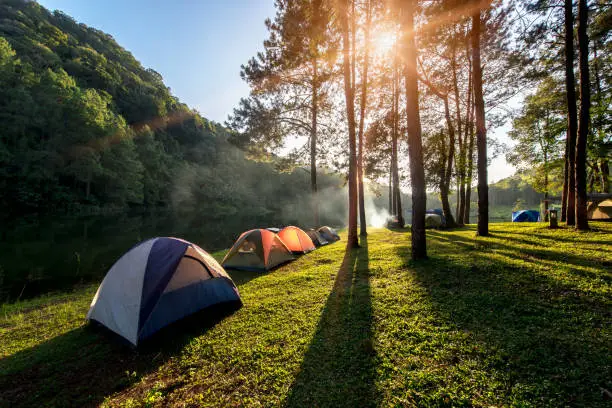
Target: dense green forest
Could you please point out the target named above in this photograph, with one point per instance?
(86, 127)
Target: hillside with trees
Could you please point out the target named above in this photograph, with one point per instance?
(85, 127)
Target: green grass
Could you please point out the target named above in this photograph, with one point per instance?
(521, 318)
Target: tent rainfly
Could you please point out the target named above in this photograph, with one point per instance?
(156, 283)
(257, 250)
(296, 240)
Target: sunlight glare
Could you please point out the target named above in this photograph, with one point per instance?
(383, 42)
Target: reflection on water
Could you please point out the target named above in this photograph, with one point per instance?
(42, 255)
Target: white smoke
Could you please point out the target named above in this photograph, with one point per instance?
(375, 216)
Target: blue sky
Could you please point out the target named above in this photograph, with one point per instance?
(196, 45)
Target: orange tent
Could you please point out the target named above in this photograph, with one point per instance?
(296, 240)
(257, 250)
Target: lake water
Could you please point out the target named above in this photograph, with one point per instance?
(43, 255)
(55, 253)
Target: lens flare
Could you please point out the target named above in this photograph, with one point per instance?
(383, 42)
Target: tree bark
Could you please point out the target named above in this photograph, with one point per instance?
(450, 221)
(352, 240)
(415, 147)
(582, 222)
(470, 170)
(572, 116)
(460, 162)
(565, 181)
(353, 31)
(397, 200)
(481, 131)
(313, 143)
(545, 186)
(393, 146)
(469, 133)
(362, 109)
(391, 210)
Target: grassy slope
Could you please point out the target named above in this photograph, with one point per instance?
(518, 319)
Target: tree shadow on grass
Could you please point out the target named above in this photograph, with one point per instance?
(83, 366)
(544, 339)
(553, 238)
(241, 277)
(338, 367)
(537, 249)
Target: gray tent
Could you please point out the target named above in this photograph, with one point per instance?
(329, 234)
(316, 238)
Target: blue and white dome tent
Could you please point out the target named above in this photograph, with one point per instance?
(526, 216)
(158, 282)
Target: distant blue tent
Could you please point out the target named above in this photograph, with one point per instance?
(526, 216)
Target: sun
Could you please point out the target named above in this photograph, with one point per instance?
(383, 42)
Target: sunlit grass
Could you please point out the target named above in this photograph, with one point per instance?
(521, 318)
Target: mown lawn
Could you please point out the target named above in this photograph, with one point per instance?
(522, 318)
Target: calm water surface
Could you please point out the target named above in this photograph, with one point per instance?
(50, 254)
(38, 256)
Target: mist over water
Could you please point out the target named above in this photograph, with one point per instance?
(211, 207)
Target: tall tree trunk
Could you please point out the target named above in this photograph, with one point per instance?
(446, 171)
(460, 161)
(603, 164)
(398, 207)
(391, 188)
(469, 133)
(362, 110)
(442, 186)
(481, 131)
(582, 222)
(313, 143)
(397, 200)
(572, 116)
(352, 240)
(393, 146)
(546, 186)
(450, 221)
(470, 170)
(393, 178)
(458, 192)
(565, 180)
(353, 30)
(415, 147)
